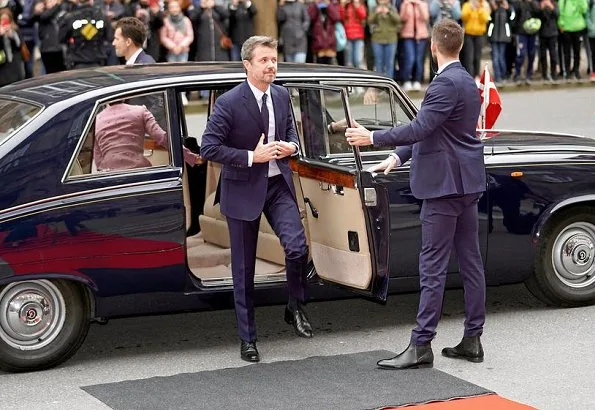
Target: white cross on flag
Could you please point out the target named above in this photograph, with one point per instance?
(491, 105)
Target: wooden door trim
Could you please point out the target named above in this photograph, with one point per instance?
(330, 176)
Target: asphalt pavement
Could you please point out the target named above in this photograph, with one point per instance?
(535, 354)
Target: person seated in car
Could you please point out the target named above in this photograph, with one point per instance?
(120, 130)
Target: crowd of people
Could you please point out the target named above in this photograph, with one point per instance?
(389, 36)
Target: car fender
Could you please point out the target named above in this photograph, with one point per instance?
(554, 209)
(89, 286)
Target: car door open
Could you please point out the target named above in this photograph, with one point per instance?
(347, 212)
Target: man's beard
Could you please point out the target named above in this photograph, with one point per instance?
(434, 63)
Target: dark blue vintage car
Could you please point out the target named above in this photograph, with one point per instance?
(83, 242)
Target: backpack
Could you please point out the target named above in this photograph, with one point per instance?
(532, 25)
(341, 36)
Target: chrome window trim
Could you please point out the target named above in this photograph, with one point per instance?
(6, 212)
(66, 178)
(126, 172)
(380, 82)
(533, 132)
(396, 93)
(31, 120)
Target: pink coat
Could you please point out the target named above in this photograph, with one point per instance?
(415, 18)
(120, 137)
(171, 38)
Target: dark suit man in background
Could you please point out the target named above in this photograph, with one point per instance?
(251, 133)
(129, 37)
(447, 173)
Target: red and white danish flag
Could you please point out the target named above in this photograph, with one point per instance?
(491, 105)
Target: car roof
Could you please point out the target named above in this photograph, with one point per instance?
(52, 88)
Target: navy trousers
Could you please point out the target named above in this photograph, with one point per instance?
(448, 223)
(282, 213)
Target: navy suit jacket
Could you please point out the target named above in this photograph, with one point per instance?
(446, 155)
(144, 58)
(233, 129)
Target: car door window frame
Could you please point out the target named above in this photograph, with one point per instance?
(164, 92)
(397, 99)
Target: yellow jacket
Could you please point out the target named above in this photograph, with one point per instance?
(475, 16)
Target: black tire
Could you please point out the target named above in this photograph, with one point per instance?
(564, 268)
(55, 338)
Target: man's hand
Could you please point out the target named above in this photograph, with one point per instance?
(389, 163)
(38, 8)
(285, 149)
(338, 126)
(371, 96)
(273, 150)
(358, 136)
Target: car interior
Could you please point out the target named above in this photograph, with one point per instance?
(329, 201)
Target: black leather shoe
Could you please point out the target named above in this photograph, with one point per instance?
(414, 357)
(469, 349)
(300, 322)
(249, 352)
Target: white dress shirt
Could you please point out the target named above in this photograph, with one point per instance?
(273, 167)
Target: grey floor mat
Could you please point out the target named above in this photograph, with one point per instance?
(349, 381)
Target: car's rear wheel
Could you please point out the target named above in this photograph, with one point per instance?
(42, 323)
(564, 273)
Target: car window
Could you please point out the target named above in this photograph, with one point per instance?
(195, 116)
(320, 118)
(126, 134)
(13, 115)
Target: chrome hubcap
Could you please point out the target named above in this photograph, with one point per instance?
(32, 314)
(573, 255)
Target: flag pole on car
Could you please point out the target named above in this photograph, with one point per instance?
(491, 104)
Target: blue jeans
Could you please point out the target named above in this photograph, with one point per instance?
(177, 58)
(525, 47)
(236, 53)
(413, 54)
(354, 53)
(295, 57)
(499, 60)
(384, 58)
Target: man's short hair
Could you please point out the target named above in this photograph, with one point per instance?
(134, 29)
(250, 45)
(448, 36)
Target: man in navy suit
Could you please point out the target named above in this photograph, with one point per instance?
(129, 37)
(448, 174)
(251, 133)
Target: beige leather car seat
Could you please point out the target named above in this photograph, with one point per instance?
(214, 230)
(214, 226)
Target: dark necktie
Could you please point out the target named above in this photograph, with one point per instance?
(264, 113)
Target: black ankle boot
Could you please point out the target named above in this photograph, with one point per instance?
(414, 357)
(469, 349)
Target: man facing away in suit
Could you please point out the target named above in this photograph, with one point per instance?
(129, 37)
(251, 133)
(448, 174)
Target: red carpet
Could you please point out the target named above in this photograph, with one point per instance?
(485, 402)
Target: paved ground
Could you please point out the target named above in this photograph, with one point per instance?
(534, 354)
